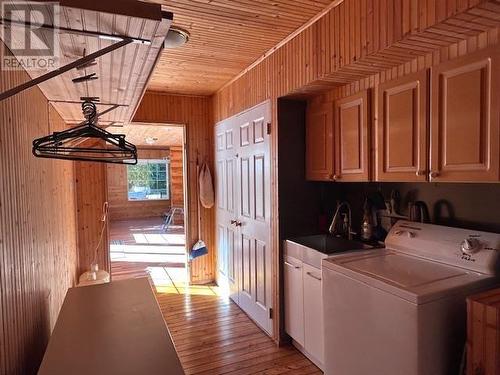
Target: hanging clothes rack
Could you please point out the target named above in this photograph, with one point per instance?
(86, 142)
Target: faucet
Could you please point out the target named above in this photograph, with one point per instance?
(347, 220)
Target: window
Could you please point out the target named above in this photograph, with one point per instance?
(148, 180)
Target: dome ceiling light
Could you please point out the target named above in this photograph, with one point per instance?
(176, 37)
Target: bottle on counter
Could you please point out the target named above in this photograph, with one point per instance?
(366, 224)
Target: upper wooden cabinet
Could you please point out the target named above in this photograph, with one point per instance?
(352, 138)
(319, 143)
(401, 129)
(464, 118)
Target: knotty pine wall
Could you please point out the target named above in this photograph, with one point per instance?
(38, 235)
(358, 39)
(176, 177)
(120, 207)
(91, 194)
(356, 45)
(195, 113)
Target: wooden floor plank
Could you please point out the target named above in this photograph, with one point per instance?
(213, 336)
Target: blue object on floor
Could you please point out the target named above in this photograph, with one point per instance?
(198, 250)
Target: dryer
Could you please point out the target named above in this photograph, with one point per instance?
(401, 310)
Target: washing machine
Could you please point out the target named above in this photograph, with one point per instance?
(402, 310)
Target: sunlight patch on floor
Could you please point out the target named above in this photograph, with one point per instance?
(159, 239)
(171, 280)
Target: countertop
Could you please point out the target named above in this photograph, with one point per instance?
(114, 328)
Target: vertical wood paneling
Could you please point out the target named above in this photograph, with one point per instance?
(176, 176)
(362, 38)
(369, 44)
(120, 207)
(195, 113)
(38, 254)
(91, 193)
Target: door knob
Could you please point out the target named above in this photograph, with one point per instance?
(434, 174)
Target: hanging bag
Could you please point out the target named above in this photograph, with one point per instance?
(207, 197)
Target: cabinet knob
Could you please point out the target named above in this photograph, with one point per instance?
(434, 174)
(336, 177)
(330, 176)
(420, 173)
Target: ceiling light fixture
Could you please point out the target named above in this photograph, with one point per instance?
(176, 37)
(151, 140)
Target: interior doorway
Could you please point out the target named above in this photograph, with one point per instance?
(147, 212)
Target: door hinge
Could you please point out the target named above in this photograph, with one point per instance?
(268, 128)
(270, 313)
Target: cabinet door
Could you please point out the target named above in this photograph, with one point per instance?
(352, 138)
(294, 301)
(464, 118)
(313, 312)
(401, 129)
(319, 143)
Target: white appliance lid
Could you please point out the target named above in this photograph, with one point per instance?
(414, 279)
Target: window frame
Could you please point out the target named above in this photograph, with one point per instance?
(165, 161)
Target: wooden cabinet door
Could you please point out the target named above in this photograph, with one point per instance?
(313, 312)
(294, 299)
(319, 143)
(401, 129)
(464, 118)
(352, 138)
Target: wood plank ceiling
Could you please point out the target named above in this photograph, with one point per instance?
(123, 73)
(226, 36)
(144, 135)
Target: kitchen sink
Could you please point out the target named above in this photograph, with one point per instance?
(328, 244)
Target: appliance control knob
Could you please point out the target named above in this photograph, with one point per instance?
(470, 246)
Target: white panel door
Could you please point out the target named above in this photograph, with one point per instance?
(254, 221)
(228, 257)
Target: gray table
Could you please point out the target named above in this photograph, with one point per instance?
(114, 328)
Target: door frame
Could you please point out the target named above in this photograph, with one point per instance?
(185, 182)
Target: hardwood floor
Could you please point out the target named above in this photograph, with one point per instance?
(213, 336)
(140, 245)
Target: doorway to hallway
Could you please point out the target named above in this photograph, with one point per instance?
(146, 207)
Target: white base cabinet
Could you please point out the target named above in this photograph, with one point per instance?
(294, 299)
(304, 308)
(313, 312)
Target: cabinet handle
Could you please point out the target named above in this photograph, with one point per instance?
(233, 222)
(238, 223)
(314, 277)
(434, 174)
(291, 265)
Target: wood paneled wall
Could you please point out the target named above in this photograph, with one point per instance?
(176, 177)
(353, 46)
(195, 113)
(91, 194)
(38, 250)
(120, 207)
(356, 39)
(464, 47)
